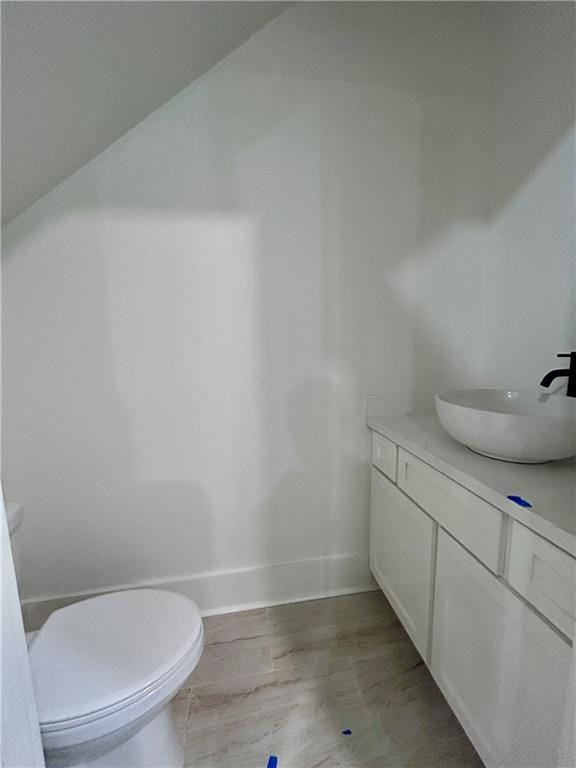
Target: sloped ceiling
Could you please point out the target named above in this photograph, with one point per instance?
(77, 75)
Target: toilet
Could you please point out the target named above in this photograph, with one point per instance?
(105, 670)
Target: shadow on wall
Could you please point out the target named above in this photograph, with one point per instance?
(94, 517)
(193, 319)
(325, 477)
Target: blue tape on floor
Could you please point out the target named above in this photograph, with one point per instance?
(519, 500)
(272, 762)
(347, 732)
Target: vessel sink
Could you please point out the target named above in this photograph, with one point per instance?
(510, 425)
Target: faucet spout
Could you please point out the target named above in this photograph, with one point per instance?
(569, 372)
(552, 375)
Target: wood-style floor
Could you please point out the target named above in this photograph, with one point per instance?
(289, 680)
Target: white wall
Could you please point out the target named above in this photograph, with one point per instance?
(193, 319)
(532, 193)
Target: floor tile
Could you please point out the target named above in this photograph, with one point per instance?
(302, 734)
(392, 674)
(294, 617)
(247, 625)
(289, 680)
(256, 694)
(227, 661)
(337, 643)
(180, 708)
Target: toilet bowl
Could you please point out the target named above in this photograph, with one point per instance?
(105, 670)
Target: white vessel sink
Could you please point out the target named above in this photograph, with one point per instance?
(521, 426)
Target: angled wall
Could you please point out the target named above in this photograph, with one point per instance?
(78, 76)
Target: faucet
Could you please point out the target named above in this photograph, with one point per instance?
(570, 372)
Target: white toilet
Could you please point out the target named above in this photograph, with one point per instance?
(105, 670)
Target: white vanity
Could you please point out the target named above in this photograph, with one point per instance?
(484, 587)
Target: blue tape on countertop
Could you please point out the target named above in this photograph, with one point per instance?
(272, 762)
(519, 500)
(347, 732)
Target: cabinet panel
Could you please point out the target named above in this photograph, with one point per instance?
(474, 522)
(508, 676)
(384, 455)
(544, 575)
(402, 541)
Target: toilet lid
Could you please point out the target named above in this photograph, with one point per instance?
(95, 654)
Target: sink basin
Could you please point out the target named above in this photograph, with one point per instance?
(520, 426)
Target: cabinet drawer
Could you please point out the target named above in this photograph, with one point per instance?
(544, 575)
(384, 455)
(471, 520)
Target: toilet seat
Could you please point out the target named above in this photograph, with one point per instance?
(105, 662)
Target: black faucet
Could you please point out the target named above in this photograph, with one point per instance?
(570, 372)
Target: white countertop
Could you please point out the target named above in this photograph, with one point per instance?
(550, 488)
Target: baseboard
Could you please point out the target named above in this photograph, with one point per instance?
(238, 589)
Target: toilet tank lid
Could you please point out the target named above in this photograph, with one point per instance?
(97, 653)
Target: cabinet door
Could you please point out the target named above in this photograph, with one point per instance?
(508, 675)
(402, 540)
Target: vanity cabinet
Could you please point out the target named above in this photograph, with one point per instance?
(504, 671)
(544, 575)
(467, 517)
(402, 543)
(488, 603)
(384, 456)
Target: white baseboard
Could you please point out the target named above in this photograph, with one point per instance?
(239, 589)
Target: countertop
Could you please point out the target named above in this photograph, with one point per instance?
(550, 488)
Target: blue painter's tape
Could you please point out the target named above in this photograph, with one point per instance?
(519, 500)
(272, 762)
(347, 732)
